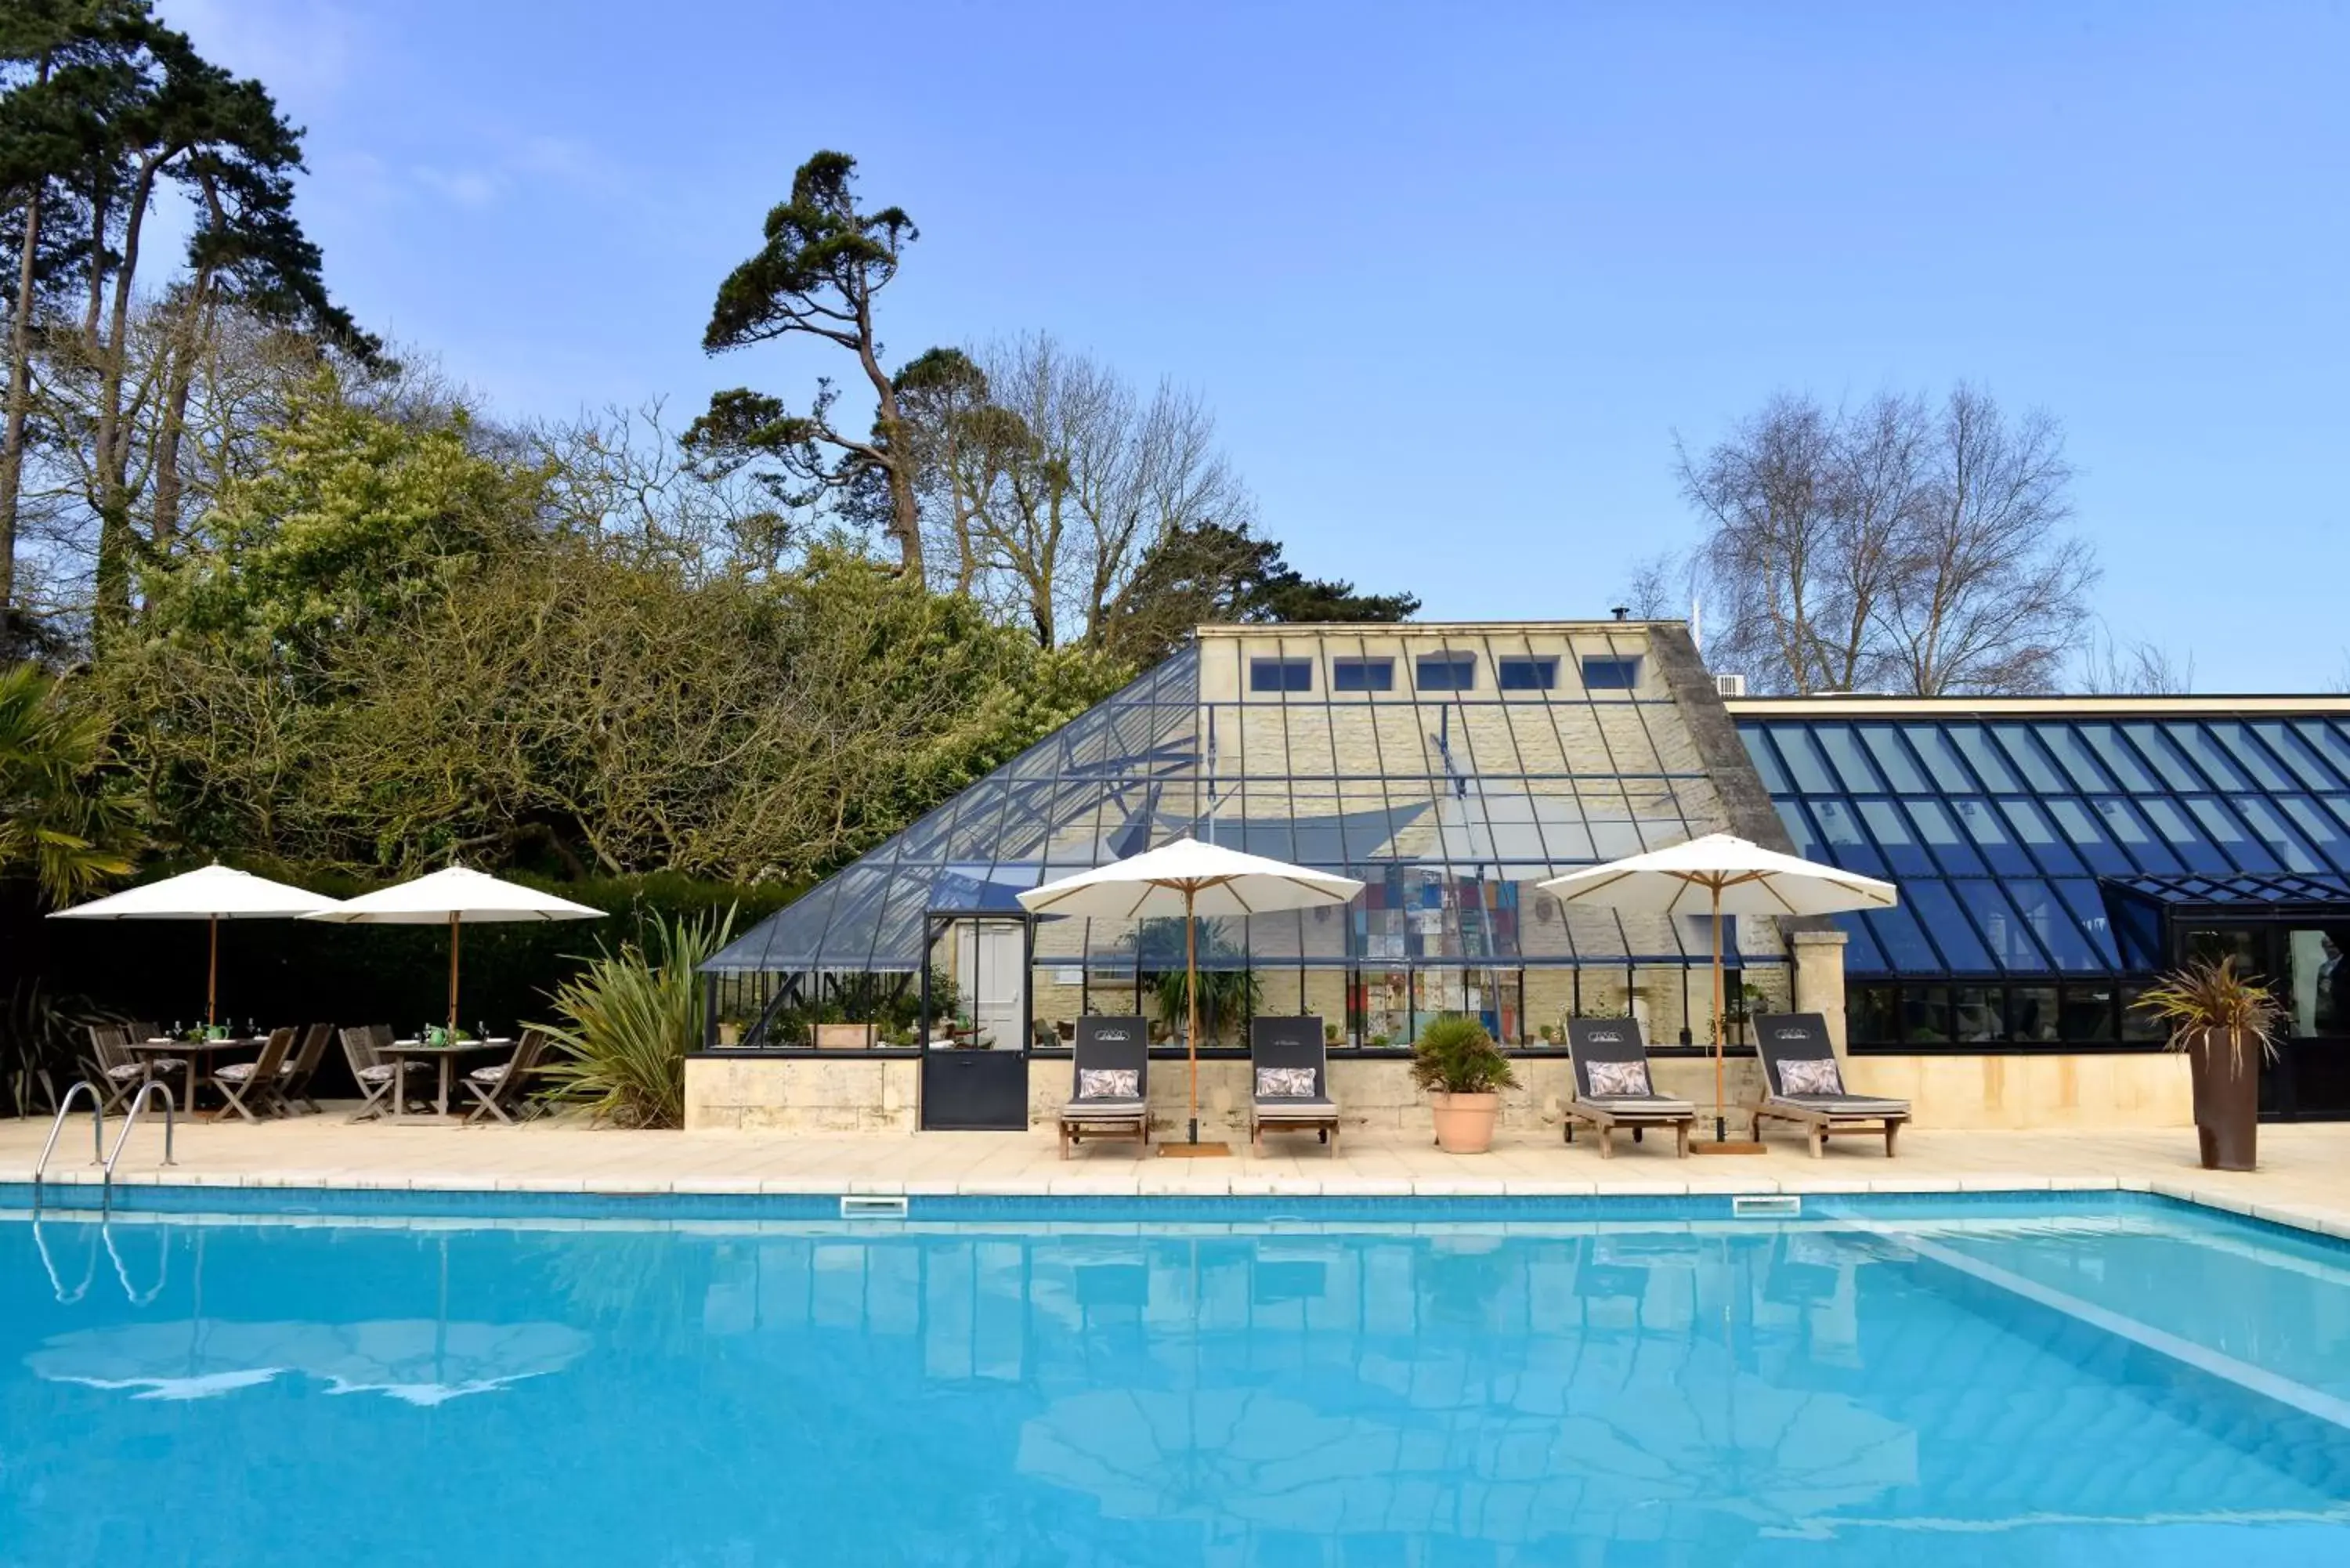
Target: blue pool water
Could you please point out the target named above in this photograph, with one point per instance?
(2117, 1382)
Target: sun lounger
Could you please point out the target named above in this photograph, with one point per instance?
(1293, 1051)
(1813, 1096)
(1603, 1051)
(1110, 1083)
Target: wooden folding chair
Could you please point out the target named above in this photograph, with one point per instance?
(114, 1072)
(255, 1084)
(294, 1078)
(500, 1089)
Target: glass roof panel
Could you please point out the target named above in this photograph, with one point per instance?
(1988, 829)
(1806, 761)
(1974, 743)
(1759, 747)
(2289, 746)
(2007, 934)
(1904, 854)
(2155, 744)
(2218, 796)
(1938, 912)
(1940, 833)
(2041, 840)
(2031, 758)
(2118, 756)
(2129, 828)
(2077, 758)
(1940, 754)
(2218, 765)
(2247, 754)
(2222, 826)
(1893, 760)
(1852, 766)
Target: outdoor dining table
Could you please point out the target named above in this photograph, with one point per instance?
(403, 1051)
(203, 1057)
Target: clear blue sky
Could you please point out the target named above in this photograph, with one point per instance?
(1452, 278)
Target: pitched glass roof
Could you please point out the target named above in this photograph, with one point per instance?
(1450, 803)
(2000, 829)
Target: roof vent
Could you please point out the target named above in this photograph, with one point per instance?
(1730, 685)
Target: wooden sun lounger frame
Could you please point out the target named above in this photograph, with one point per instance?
(1297, 1042)
(1604, 1117)
(1869, 1113)
(1109, 1043)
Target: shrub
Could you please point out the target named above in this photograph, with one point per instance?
(2205, 999)
(1454, 1055)
(631, 1016)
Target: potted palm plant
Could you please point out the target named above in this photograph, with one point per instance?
(2227, 1026)
(1464, 1074)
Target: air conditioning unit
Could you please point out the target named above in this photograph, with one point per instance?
(1731, 685)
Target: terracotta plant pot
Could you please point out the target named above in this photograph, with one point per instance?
(1464, 1123)
(2225, 1069)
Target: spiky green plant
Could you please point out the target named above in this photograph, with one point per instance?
(2204, 1000)
(1227, 996)
(1454, 1055)
(630, 1018)
(55, 822)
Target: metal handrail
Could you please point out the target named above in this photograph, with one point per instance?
(130, 1121)
(96, 1132)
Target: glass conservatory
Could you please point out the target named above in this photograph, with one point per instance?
(1448, 768)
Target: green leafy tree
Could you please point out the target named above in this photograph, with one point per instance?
(1211, 574)
(56, 822)
(817, 275)
(350, 517)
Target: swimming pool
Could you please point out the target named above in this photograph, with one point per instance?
(2108, 1380)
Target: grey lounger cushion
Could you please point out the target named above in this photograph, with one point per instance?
(1103, 1110)
(1291, 1108)
(1637, 1104)
(1844, 1104)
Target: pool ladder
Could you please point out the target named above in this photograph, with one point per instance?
(97, 1134)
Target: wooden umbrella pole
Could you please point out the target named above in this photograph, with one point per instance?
(212, 979)
(1719, 1133)
(453, 974)
(1192, 992)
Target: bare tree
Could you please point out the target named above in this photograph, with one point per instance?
(1653, 590)
(2137, 669)
(1894, 546)
(1044, 479)
(1991, 595)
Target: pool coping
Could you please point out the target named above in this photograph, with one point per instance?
(80, 1190)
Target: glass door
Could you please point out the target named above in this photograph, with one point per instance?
(975, 1022)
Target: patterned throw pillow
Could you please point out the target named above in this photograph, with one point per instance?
(1109, 1083)
(1610, 1078)
(1285, 1083)
(1817, 1075)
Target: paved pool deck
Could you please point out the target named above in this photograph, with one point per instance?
(2304, 1179)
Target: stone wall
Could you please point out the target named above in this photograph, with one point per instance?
(2014, 1092)
(800, 1094)
(2020, 1092)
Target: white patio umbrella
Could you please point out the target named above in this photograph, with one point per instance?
(1189, 878)
(1725, 875)
(459, 897)
(214, 894)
